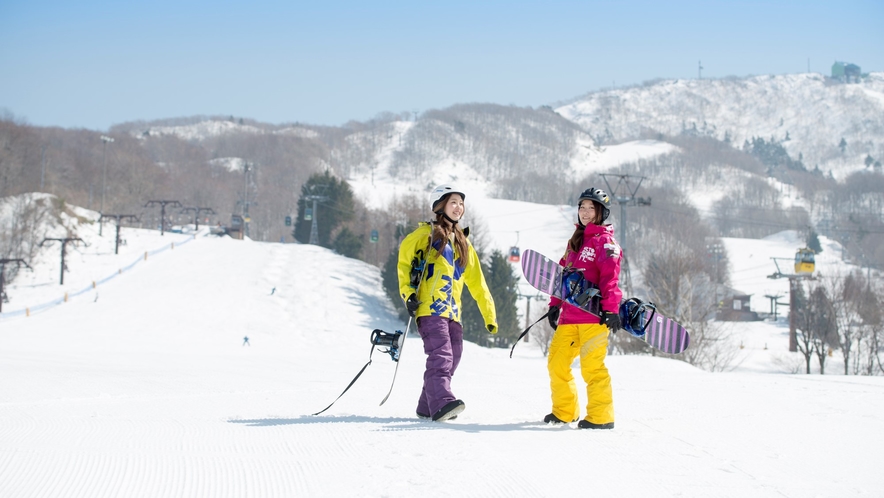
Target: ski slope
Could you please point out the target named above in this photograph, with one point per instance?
(144, 387)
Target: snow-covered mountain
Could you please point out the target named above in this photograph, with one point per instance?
(809, 113)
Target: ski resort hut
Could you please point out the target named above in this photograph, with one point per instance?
(736, 309)
(235, 229)
(846, 72)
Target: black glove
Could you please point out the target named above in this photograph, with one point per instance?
(612, 320)
(553, 316)
(411, 304)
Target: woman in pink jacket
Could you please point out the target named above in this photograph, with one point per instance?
(593, 250)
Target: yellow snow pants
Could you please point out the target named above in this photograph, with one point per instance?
(590, 341)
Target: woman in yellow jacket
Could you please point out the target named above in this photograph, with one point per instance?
(435, 304)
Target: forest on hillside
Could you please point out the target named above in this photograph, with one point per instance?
(259, 170)
(269, 174)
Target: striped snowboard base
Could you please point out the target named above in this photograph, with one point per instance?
(662, 333)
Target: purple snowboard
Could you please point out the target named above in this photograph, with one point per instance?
(666, 334)
(546, 275)
(662, 333)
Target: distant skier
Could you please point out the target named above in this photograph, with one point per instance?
(593, 250)
(245, 341)
(451, 263)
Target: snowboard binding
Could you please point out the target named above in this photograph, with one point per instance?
(633, 316)
(576, 289)
(391, 341)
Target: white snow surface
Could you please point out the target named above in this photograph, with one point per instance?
(212, 128)
(143, 387)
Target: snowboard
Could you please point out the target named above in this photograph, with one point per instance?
(547, 276)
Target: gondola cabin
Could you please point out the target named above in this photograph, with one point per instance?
(804, 261)
(514, 256)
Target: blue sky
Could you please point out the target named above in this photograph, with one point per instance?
(93, 64)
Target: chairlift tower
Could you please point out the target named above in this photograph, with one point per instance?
(104, 139)
(64, 243)
(624, 193)
(162, 204)
(774, 303)
(794, 278)
(314, 228)
(247, 168)
(118, 218)
(196, 213)
(528, 298)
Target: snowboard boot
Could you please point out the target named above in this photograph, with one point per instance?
(552, 419)
(586, 424)
(424, 416)
(449, 411)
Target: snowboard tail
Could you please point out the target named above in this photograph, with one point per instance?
(666, 334)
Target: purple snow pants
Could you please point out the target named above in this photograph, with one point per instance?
(443, 344)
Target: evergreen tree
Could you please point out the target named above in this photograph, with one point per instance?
(472, 321)
(813, 242)
(337, 208)
(503, 286)
(347, 243)
(772, 154)
(390, 276)
(503, 283)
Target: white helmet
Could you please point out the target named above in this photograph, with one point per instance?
(441, 191)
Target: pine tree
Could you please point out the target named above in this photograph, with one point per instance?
(503, 286)
(347, 243)
(390, 277)
(338, 207)
(813, 242)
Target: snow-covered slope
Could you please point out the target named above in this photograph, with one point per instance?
(151, 390)
(813, 111)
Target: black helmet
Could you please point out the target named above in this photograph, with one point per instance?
(597, 195)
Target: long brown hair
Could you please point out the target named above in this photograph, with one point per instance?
(576, 239)
(442, 229)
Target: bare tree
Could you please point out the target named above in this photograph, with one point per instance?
(824, 325)
(682, 283)
(817, 327)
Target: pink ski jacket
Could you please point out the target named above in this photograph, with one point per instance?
(599, 257)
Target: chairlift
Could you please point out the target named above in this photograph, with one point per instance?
(515, 255)
(804, 261)
(308, 214)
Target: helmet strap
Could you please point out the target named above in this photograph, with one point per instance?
(453, 222)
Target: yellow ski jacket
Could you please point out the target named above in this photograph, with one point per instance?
(439, 292)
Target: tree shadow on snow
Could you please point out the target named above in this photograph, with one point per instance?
(396, 423)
